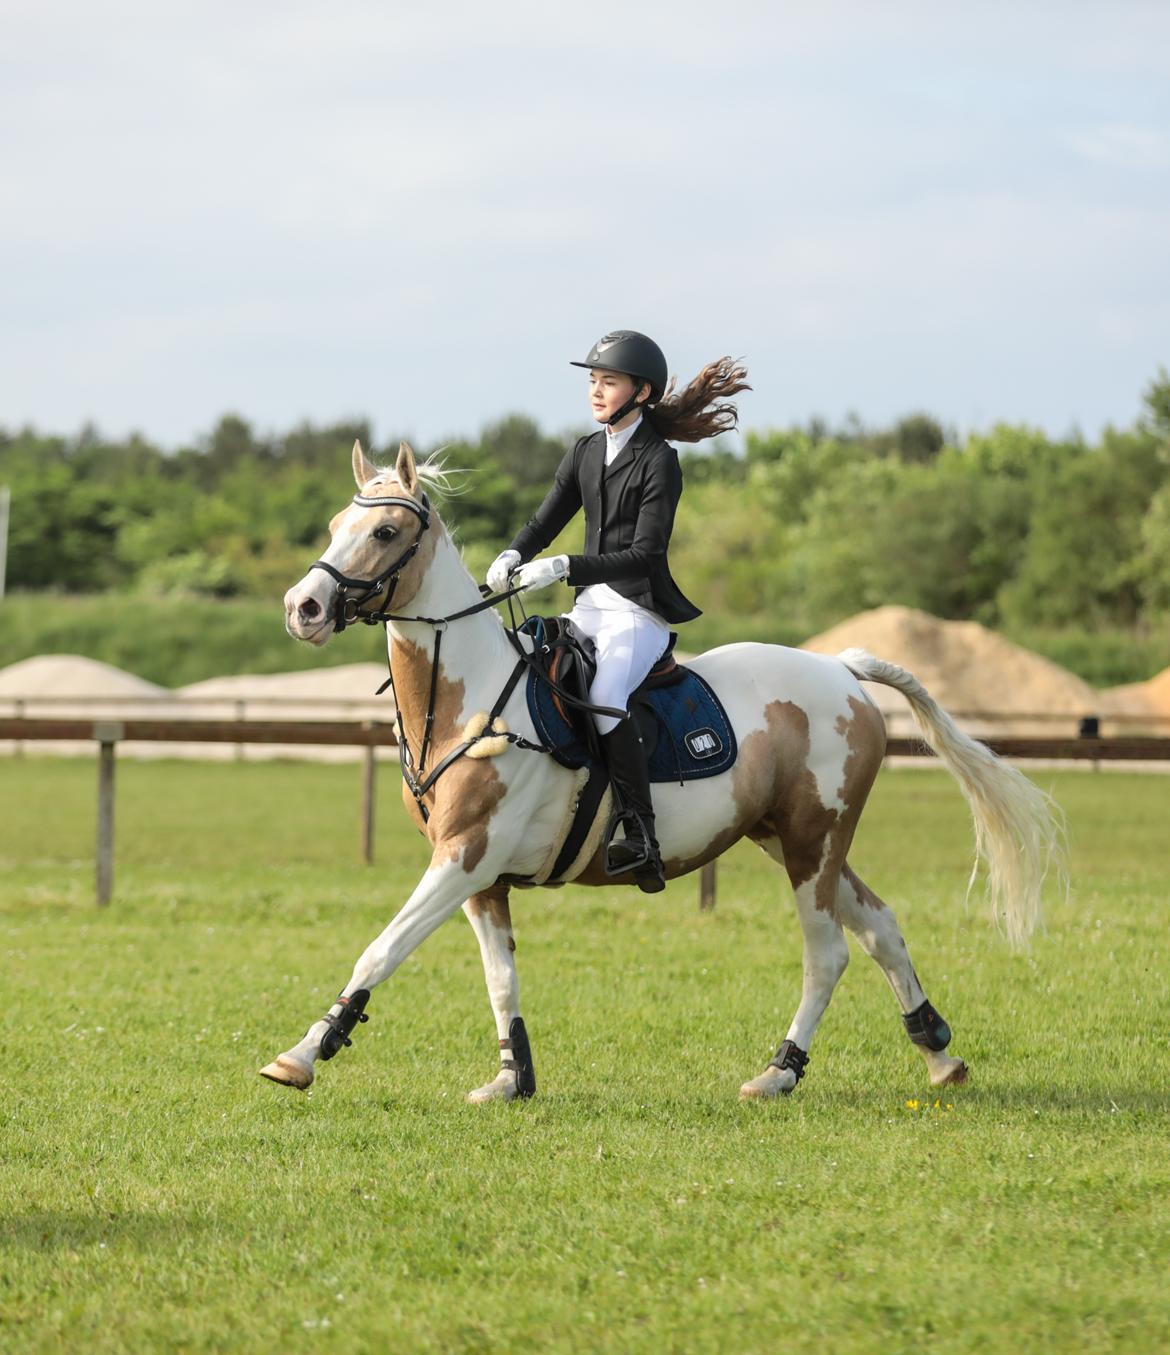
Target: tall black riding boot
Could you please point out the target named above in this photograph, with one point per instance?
(637, 852)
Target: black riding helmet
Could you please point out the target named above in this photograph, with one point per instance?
(632, 354)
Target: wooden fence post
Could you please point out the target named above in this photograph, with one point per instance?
(707, 887)
(369, 796)
(107, 736)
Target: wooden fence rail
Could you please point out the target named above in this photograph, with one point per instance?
(372, 734)
(109, 733)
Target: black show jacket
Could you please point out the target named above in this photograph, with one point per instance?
(629, 515)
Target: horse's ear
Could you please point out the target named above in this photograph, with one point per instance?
(363, 472)
(405, 468)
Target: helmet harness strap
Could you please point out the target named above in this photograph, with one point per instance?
(631, 403)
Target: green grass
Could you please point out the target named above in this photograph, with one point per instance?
(155, 1194)
(172, 641)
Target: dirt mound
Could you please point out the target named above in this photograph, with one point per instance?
(967, 668)
(1141, 699)
(1158, 692)
(70, 675)
(67, 686)
(346, 682)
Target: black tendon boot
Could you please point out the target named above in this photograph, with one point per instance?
(637, 852)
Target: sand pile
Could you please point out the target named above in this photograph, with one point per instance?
(58, 676)
(342, 693)
(1144, 706)
(347, 682)
(1157, 692)
(67, 686)
(968, 669)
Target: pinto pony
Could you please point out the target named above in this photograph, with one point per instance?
(496, 811)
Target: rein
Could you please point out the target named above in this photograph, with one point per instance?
(412, 772)
(350, 609)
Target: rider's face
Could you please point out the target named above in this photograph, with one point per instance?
(608, 391)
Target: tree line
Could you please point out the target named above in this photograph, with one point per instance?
(802, 527)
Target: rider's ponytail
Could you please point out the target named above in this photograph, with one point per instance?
(703, 408)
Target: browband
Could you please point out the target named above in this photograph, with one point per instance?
(393, 500)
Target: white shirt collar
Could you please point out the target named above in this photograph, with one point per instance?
(616, 441)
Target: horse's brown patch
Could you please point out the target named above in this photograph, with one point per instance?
(864, 895)
(776, 796)
(815, 837)
(755, 780)
(493, 902)
(865, 735)
(464, 798)
(725, 838)
(796, 814)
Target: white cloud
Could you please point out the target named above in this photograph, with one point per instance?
(1125, 147)
(295, 210)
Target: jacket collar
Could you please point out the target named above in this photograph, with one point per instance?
(641, 436)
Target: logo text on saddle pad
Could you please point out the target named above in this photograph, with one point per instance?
(703, 743)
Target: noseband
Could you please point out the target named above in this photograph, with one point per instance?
(353, 594)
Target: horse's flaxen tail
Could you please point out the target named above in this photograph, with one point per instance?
(1019, 831)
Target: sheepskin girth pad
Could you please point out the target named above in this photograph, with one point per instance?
(489, 742)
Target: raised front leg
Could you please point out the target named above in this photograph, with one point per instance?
(442, 889)
(491, 920)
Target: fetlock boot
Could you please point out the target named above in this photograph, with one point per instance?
(637, 852)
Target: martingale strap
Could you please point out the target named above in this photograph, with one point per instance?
(356, 593)
(411, 771)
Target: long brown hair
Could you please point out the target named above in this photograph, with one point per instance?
(703, 408)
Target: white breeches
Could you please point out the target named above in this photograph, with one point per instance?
(628, 646)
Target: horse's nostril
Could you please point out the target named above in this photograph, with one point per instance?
(309, 610)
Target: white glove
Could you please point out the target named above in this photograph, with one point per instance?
(540, 573)
(500, 568)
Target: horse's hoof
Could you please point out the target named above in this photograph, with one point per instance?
(953, 1076)
(288, 1072)
(501, 1088)
(772, 1082)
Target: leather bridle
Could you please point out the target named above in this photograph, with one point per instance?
(354, 594)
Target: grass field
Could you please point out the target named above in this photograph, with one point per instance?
(156, 1195)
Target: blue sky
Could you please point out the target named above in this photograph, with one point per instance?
(420, 214)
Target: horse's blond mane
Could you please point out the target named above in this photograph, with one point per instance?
(436, 475)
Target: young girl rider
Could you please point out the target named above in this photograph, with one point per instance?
(627, 479)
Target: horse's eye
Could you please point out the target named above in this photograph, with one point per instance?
(384, 533)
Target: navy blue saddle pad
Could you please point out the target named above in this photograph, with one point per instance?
(682, 722)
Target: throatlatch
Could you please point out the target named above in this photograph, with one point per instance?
(521, 1061)
(790, 1056)
(927, 1028)
(342, 1022)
